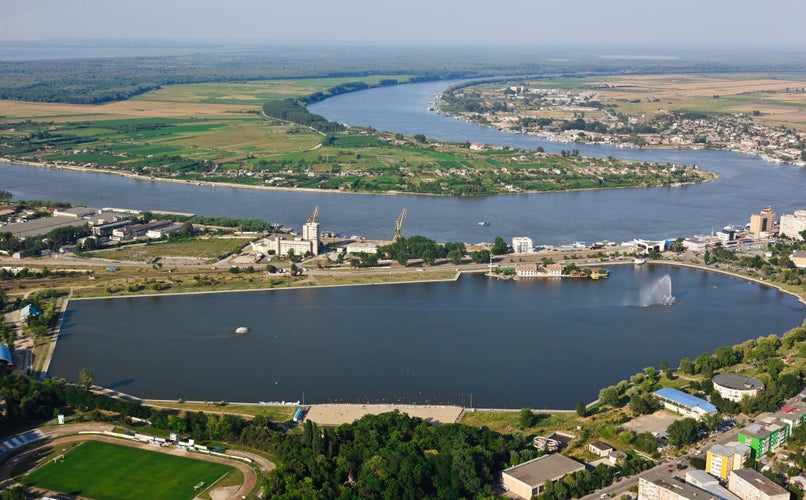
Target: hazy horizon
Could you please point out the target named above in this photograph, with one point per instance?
(592, 23)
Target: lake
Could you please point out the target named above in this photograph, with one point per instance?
(534, 342)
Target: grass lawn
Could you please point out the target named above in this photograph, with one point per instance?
(102, 470)
(208, 249)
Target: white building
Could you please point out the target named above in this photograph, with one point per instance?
(709, 483)
(358, 247)
(792, 225)
(522, 244)
(661, 486)
(748, 484)
(735, 387)
(526, 270)
(527, 479)
(275, 245)
(310, 232)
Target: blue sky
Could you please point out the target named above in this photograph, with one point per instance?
(698, 23)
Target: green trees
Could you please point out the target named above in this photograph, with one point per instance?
(85, 378)
(500, 246)
(480, 256)
(582, 409)
(683, 432)
(526, 418)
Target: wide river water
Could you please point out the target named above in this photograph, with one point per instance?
(545, 344)
(539, 343)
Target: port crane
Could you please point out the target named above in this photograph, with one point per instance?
(399, 224)
(315, 213)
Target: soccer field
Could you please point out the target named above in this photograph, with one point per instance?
(108, 471)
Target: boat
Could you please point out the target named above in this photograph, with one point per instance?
(241, 330)
(483, 223)
(639, 261)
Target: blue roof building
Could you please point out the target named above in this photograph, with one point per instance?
(29, 310)
(684, 403)
(5, 355)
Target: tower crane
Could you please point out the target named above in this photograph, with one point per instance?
(399, 224)
(315, 213)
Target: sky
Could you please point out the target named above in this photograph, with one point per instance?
(697, 23)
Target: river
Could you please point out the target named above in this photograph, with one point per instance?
(746, 184)
(541, 344)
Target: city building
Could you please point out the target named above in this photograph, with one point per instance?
(310, 232)
(684, 403)
(527, 479)
(662, 486)
(726, 235)
(526, 270)
(555, 269)
(700, 243)
(793, 224)
(748, 484)
(28, 310)
(709, 483)
(763, 438)
(361, 247)
(275, 245)
(798, 258)
(522, 244)
(792, 415)
(735, 387)
(721, 459)
(600, 449)
(762, 224)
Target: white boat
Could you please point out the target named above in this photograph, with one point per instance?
(483, 223)
(639, 261)
(241, 330)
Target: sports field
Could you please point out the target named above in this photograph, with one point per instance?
(101, 470)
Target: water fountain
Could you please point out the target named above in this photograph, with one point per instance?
(658, 293)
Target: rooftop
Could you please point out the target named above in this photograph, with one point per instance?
(537, 471)
(683, 490)
(685, 399)
(759, 480)
(737, 382)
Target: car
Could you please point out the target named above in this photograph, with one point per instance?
(604, 495)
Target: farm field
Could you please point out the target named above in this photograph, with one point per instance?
(780, 98)
(220, 133)
(101, 470)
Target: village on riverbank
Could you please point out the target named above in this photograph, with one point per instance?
(753, 114)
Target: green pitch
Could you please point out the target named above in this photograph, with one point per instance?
(102, 470)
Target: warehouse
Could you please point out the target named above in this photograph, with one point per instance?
(684, 403)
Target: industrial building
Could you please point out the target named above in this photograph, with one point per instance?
(750, 484)
(275, 245)
(762, 224)
(137, 230)
(684, 403)
(527, 479)
(721, 459)
(793, 224)
(735, 387)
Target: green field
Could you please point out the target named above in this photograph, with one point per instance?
(102, 470)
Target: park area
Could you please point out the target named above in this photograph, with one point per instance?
(102, 470)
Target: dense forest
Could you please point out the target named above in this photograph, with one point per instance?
(92, 80)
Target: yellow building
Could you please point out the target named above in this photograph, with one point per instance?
(721, 459)
(762, 222)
